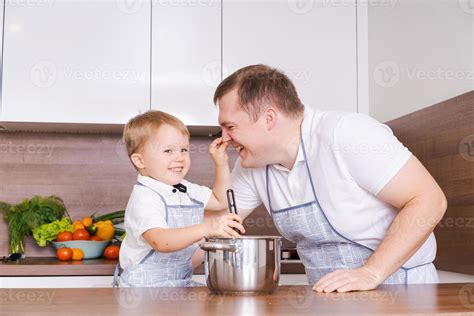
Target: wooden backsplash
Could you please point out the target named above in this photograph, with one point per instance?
(442, 137)
(91, 172)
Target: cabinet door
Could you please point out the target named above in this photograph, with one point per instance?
(186, 62)
(313, 42)
(76, 61)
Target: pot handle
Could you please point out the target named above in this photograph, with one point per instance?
(217, 246)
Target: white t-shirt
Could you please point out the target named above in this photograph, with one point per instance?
(146, 210)
(351, 158)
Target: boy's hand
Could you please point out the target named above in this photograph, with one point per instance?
(222, 226)
(218, 151)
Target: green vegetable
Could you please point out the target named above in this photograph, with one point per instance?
(116, 217)
(119, 234)
(48, 232)
(91, 229)
(29, 214)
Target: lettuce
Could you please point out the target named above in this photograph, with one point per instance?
(48, 232)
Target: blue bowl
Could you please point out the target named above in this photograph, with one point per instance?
(92, 249)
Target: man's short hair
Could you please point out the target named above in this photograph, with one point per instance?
(142, 127)
(258, 85)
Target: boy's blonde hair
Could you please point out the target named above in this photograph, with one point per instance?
(140, 129)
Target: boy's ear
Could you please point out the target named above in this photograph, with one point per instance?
(137, 160)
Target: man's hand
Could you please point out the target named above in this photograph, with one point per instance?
(361, 279)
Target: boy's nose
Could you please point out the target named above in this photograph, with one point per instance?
(180, 157)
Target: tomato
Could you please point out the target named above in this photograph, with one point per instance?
(112, 252)
(64, 254)
(64, 236)
(81, 234)
(95, 238)
(77, 254)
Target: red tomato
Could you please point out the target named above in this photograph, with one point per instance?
(64, 236)
(112, 252)
(81, 234)
(64, 254)
(95, 238)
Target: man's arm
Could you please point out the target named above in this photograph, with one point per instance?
(422, 205)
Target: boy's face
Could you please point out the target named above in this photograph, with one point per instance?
(165, 156)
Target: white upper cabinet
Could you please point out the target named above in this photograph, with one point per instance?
(186, 59)
(313, 42)
(76, 61)
(103, 61)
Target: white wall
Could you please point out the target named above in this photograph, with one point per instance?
(420, 53)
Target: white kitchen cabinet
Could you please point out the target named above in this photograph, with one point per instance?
(186, 59)
(76, 61)
(313, 42)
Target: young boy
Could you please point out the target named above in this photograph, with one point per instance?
(164, 218)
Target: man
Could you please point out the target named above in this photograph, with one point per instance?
(360, 207)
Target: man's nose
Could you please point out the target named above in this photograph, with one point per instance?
(225, 136)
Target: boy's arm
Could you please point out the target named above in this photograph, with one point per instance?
(174, 239)
(198, 258)
(218, 199)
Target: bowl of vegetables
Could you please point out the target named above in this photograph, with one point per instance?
(86, 238)
(91, 249)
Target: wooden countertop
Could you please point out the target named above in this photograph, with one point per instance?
(50, 266)
(287, 300)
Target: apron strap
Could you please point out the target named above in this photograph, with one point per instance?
(161, 197)
(116, 275)
(310, 179)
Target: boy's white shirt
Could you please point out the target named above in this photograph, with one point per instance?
(145, 210)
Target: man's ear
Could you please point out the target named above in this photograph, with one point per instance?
(137, 160)
(270, 118)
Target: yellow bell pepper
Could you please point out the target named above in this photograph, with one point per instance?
(105, 230)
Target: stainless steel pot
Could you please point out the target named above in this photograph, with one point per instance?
(244, 265)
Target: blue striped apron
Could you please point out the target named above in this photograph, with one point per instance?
(173, 269)
(320, 246)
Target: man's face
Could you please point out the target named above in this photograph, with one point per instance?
(245, 135)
